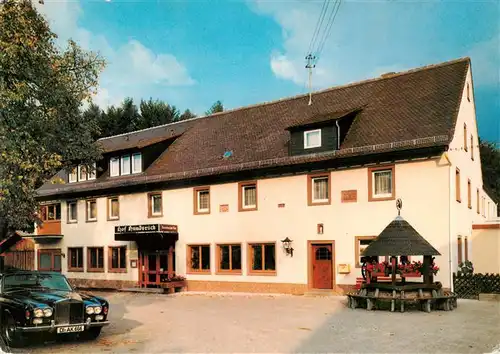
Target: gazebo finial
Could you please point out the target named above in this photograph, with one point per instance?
(399, 205)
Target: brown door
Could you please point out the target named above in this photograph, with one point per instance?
(322, 265)
(156, 267)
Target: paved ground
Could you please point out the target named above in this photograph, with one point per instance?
(183, 323)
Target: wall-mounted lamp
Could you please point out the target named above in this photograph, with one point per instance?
(287, 246)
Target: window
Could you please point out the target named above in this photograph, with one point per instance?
(468, 92)
(72, 211)
(114, 167)
(95, 259)
(73, 175)
(125, 165)
(465, 137)
(113, 208)
(92, 173)
(472, 147)
(360, 243)
(91, 210)
(50, 212)
(459, 250)
(477, 200)
(457, 185)
(262, 258)
(247, 197)
(199, 258)
(155, 205)
(381, 183)
(229, 259)
(466, 249)
(117, 259)
(469, 195)
(75, 259)
(137, 163)
(49, 260)
(318, 189)
(312, 139)
(201, 200)
(483, 206)
(82, 173)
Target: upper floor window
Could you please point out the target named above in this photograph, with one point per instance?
(155, 208)
(469, 195)
(72, 211)
(381, 183)
(457, 185)
(477, 200)
(202, 200)
(80, 173)
(113, 208)
(468, 92)
(114, 167)
(50, 212)
(125, 165)
(91, 210)
(247, 196)
(318, 189)
(465, 137)
(312, 138)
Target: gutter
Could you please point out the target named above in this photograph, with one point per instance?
(450, 265)
(338, 134)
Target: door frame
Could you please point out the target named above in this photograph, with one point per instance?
(310, 243)
(143, 275)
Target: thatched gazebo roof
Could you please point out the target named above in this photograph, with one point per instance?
(399, 238)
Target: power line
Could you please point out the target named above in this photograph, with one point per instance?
(330, 22)
(319, 23)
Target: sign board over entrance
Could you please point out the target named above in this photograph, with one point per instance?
(125, 229)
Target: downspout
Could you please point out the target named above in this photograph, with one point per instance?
(338, 134)
(449, 221)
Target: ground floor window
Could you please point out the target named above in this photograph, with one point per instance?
(360, 243)
(199, 258)
(262, 258)
(95, 259)
(75, 259)
(117, 259)
(229, 258)
(49, 260)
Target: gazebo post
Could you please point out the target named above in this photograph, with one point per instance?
(427, 270)
(393, 263)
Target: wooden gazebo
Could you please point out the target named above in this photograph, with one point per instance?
(400, 239)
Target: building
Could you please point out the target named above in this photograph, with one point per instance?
(212, 198)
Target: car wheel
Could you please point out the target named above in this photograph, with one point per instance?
(92, 333)
(10, 335)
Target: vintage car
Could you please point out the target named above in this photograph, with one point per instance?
(44, 302)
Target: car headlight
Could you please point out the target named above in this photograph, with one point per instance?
(97, 310)
(90, 310)
(47, 312)
(38, 312)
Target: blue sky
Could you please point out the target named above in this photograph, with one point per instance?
(192, 53)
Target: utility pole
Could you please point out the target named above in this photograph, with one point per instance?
(310, 65)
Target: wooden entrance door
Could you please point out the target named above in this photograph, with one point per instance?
(155, 267)
(322, 264)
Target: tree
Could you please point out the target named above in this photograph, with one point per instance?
(187, 115)
(42, 89)
(216, 107)
(154, 113)
(490, 162)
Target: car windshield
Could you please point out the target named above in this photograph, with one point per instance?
(12, 282)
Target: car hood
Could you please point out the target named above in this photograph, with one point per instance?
(50, 297)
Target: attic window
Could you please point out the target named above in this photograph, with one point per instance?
(468, 92)
(312, 139)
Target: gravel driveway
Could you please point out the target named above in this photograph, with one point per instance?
(216, 323)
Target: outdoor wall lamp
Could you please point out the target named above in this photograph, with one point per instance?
(287, 246)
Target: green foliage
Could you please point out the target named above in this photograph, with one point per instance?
(490, 160)
(154, 113)
(187, 115)
(41, 91)
(216, 108)
(465, 268)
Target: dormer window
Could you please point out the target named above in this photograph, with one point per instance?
(73, 176)
(114, 167)
(80, 174)
(125, 165)
(136, 163)
(312, 139)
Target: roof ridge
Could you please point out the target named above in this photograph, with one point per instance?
(289, 98)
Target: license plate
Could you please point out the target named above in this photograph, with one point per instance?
(70, 329)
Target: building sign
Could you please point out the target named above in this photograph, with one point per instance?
(223, 208)
(125, 229)
(350, 196)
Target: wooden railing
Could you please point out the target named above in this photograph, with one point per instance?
(52, 227)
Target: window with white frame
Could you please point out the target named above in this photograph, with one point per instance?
(82, 173)
(113, 208)
(155, 204)
(114, 167)
(382, 183)
(203, 200)
(137, 163)
(320, 189)
(92, 173)
(91, 210)
(125, 165)
(312, 139)
(73, 175)
(249, 196)
(72, 212)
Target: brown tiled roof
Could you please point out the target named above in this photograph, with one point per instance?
(410, 109)
(322, 118)
(399, 238)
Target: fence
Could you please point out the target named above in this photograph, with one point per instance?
(469, 286)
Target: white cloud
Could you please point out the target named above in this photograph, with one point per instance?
(485, 61)
(132, 70)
